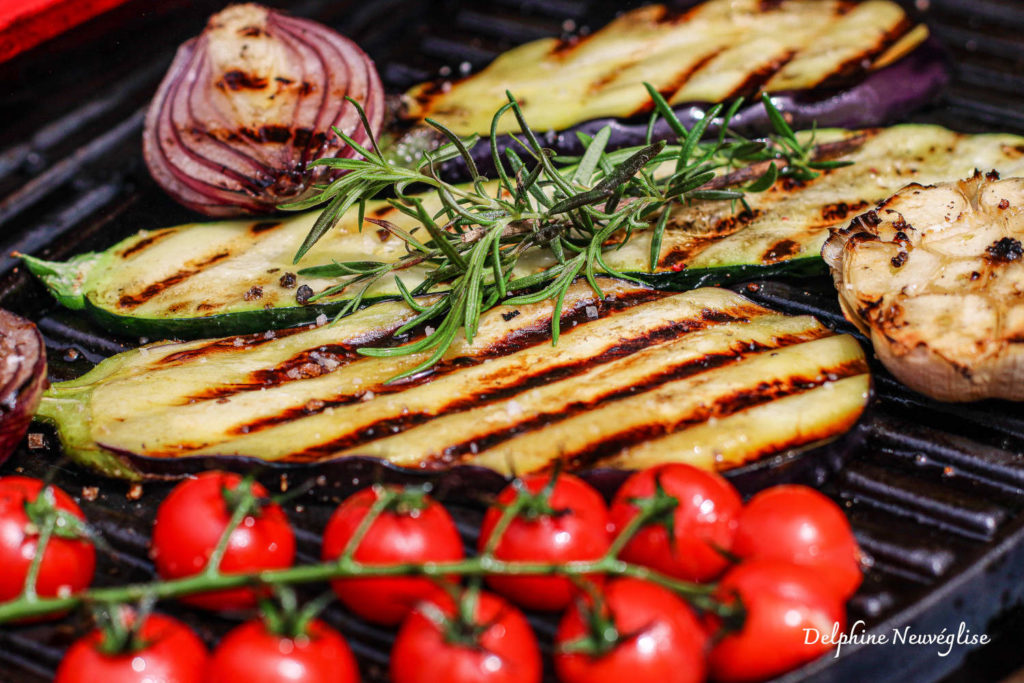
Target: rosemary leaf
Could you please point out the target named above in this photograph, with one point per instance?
(578, 208)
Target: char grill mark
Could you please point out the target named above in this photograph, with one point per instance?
(336, 356)
(854, 66)
(459, 451)
(674, 85)
(545, 413)
(227, 345)
(625, 347)
(756, 79)
(721, 407)
(130, 301)
(145, 243)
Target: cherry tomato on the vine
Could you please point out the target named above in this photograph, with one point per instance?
(416, 528)
(656, 637)
(191, 521)
(498, 645)
(168, 651)
(253, 654)
(800, 525)
(68, 563)
(784, 605)
(697, 520)
(566, 523)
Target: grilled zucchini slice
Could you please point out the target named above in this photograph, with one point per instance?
(641, 376)
(235, 277)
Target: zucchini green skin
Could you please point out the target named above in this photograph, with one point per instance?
(637, 378)
(224, 278)
(248, 322)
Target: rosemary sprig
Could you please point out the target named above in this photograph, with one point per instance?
(578, 208)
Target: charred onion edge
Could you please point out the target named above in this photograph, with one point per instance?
(216, 178)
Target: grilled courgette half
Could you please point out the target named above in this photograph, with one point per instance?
(637, 378)
(235, 277)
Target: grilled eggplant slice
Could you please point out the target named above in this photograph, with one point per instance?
(235, 277)
(833, 62)
(935, 276)
(639, 377)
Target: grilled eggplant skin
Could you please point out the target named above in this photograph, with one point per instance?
(230, 277)
(831, 62)
(638, 377)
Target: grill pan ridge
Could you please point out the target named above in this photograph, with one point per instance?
(934, 491)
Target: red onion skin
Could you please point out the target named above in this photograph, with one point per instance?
(208, 159)
(22, 387)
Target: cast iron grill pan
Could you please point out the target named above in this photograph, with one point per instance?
(934, 491)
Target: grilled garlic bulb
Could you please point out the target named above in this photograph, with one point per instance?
(935, 276)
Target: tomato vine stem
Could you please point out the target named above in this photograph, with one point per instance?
(700, 596)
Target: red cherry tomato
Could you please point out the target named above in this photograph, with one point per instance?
(800, 525)
(504, 649)
(702, 523)
(577, 530)
(68, 563)
(251, 653)
(171, 652)
(190, 522)
(412, 532)
(660, 639)
(784, 602)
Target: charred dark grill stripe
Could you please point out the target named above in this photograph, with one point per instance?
(525, 382)
(134, 300)
(145, 243)
(690, 368)
(265, 226)
(860, 63)
(756, 79)
(722, 407)
(229, 345)
(292, 369)
(682, 78)
(679, 255)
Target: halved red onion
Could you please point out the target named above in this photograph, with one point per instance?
(249, 103)
(22, 378)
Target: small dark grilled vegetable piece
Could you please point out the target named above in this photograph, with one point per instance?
(828, 62)
(22, 378)
(935, 276)
(184, 281)
(639, 378)
(249, 103)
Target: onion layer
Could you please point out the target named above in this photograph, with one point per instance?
(249, 103)
(22, 378)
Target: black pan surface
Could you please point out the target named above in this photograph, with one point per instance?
(934, 491)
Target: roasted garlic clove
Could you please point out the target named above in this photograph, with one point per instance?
(935, 277)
